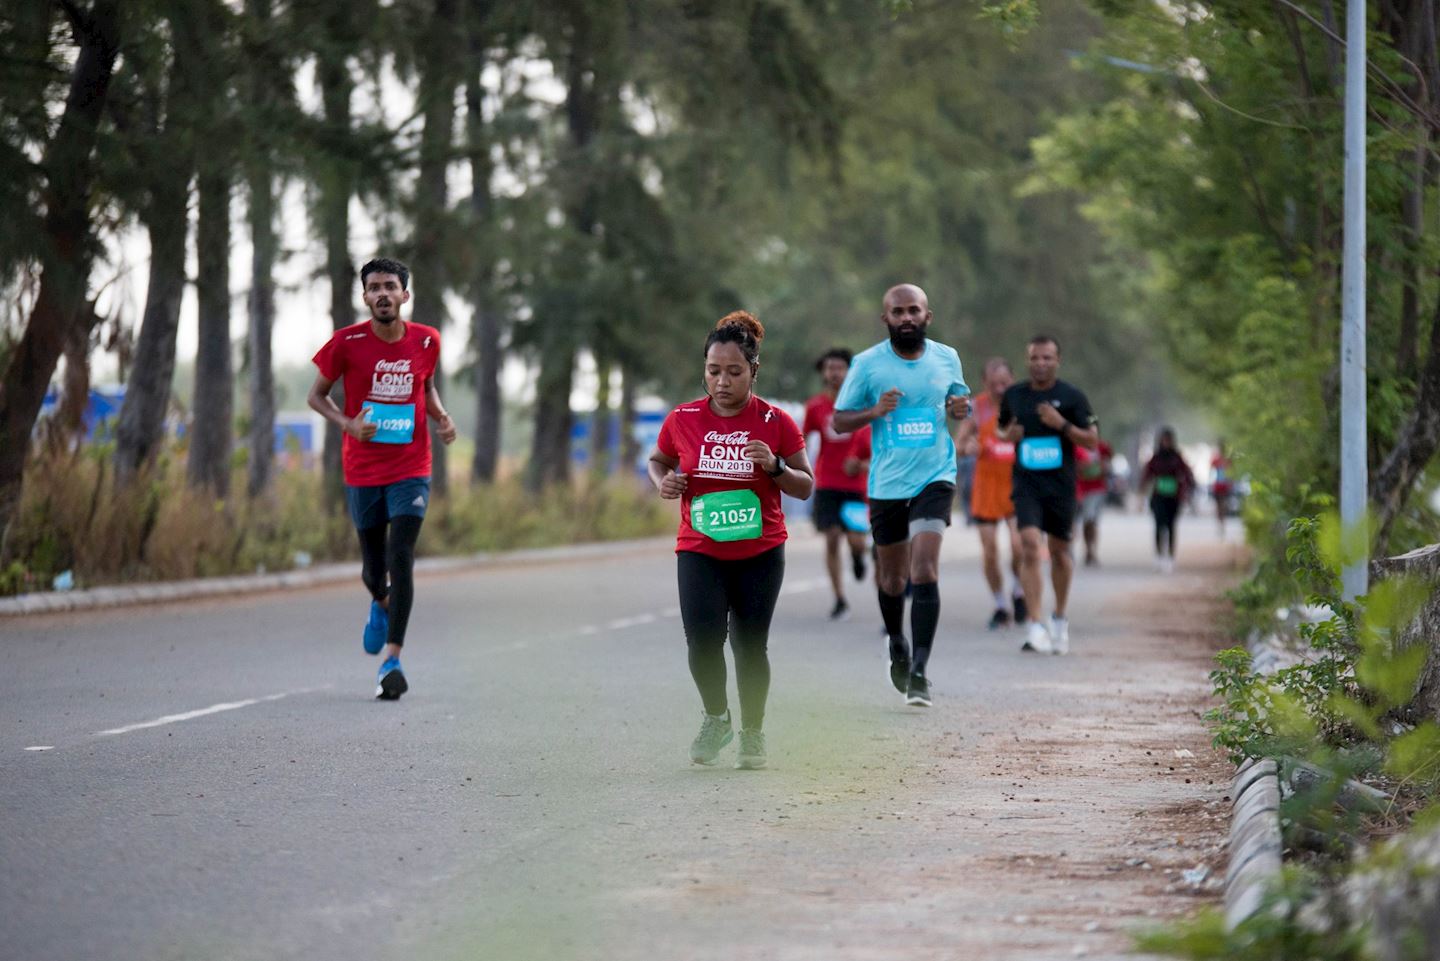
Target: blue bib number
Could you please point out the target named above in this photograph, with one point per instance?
(396, 422)
(1041, 453)
(914, 427)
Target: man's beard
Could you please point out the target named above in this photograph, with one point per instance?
(375, 315)
(907, 337)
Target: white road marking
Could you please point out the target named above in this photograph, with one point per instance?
(621, 623)
(202, 712)
(41, 747)
(589, 629)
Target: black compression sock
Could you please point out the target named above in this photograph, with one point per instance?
(892, 611)
(924, 617)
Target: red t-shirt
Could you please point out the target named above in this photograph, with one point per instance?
(708, 448)
(392, 379)
(834, 448)
(1090, 469)
(860, 446)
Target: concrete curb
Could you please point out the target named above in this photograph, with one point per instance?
(1256, 845)
(54, 602)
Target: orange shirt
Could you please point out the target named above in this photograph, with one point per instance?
(990, 489)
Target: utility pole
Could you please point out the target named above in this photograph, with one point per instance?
(1354, 491)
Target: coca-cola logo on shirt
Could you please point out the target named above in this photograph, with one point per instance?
(392, 381)
(723, 455)
(740, 437)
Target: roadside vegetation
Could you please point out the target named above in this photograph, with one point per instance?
(74, 523)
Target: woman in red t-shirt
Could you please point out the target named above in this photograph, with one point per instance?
(727, 457)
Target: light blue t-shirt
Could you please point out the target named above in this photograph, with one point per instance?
(911, 445)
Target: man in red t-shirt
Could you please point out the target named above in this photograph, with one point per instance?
(838, 492)
(387, 367)
(1092, 480)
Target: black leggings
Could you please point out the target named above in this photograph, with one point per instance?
(740, 596)
(395, 554)
(1166, 510)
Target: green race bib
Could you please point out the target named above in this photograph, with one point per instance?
(727, 515)
(1167, 486)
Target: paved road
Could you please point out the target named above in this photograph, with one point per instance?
(216, 781)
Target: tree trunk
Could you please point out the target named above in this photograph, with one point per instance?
(260, 179)
(261, 307)
(65, 263)
(438, 79)
(337, 186)
(141, 430)
(550, 450)
(69, 426)
(600, 425)
(212, 431)
(629, 446)
(485, 319)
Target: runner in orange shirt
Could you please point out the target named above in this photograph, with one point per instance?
(990, 503)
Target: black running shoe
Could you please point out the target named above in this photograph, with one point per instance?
(918, 693)
(1022, 613)
(841, 610)
(900, 663)
(857, 564)
(1001, 618)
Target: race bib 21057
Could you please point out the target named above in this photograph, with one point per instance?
(727, 515)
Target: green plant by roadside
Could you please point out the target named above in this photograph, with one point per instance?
(74, 518)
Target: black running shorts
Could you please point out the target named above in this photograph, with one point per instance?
(826, 505)
(890, 519)
(1051, 511)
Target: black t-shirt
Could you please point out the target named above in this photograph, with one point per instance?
(1045, 458)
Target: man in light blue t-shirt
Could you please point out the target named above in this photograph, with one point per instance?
(906, 386)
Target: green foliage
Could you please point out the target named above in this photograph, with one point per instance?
(1276, 932)
(73, 518)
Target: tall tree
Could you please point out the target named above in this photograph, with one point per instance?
(266, 88)
(159, 128)
(439, 77)
(66, 236)
(212, 438)
(337, 31)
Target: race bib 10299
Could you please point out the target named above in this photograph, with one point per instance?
(395, 423)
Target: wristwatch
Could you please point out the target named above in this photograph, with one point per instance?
(779, 468)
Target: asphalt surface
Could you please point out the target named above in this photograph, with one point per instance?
(213, 779)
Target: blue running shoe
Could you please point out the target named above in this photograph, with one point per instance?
(377, 629)
(390, 682)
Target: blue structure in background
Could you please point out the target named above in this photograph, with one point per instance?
(100, 412)
(647, 429)
(293, 429)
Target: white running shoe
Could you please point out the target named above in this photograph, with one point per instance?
(1167, 565)
(1037, 638)
(1059, 635)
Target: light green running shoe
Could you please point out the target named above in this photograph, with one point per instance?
(715, 733)
(752, 750)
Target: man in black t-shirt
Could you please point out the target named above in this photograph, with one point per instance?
(1045, 418)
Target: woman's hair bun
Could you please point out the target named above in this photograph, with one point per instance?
(743, 319)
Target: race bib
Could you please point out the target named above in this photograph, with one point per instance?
(1092, 470)
(855, 515)
(727, 515)
(396, 422)
(1041, 453)
(914, 427)
(999, 450)
(1167, 486)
